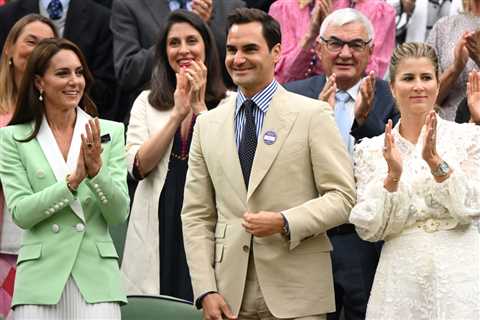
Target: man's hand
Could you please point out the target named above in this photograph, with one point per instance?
(263, 223)
(203, 8)
(408, 6)
(461, 53)
(364, 101)
(473, 46)
(328, 91)
(214, 306)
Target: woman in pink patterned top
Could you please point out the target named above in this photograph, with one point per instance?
(21, 40)
(300, 23)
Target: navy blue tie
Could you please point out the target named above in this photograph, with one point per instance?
(55, 9)
(248, 144)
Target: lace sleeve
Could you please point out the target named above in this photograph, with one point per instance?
(460, 194)
(378, 213)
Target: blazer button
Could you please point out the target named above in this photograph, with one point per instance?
(55, 228)
(246, 249)
(80, 227)
(40, 174)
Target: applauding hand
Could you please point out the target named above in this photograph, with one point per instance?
(473, 96)
(364, 101)
(328, 91)
(203, 8)
(182, 96)
(196, 74)
(92, 147)
(393, 158)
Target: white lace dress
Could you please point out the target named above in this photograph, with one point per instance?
(430, 263)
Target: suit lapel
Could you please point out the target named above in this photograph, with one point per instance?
(52, 153)
(229, 152)
(278, 120)
(317, 85)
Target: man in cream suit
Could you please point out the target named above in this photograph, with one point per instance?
(268, 176)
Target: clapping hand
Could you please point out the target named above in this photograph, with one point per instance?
(461, 53)
(473, 46)
(328, 92)
(319, 13)
(92, 148)
(391, 154)
(203, 8)
(408, 6)
(182, 96)
(473, 96)
(321, 10)
(364, 101)
(196, 74)
(429, 151)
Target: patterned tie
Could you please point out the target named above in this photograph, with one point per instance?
(248, 143)
(343, 118)
(55, 9)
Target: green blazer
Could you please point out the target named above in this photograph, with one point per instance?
(60, 239)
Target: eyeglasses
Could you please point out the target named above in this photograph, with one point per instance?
(335, 44)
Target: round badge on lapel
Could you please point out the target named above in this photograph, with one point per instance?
(270, 137)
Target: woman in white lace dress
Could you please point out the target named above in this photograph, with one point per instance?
(419, 190)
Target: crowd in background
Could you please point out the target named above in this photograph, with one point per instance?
(158, 67)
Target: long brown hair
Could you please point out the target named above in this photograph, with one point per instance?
(163, 80)
(8, 86)
(29, 108)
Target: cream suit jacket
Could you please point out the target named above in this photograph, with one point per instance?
(306, 174)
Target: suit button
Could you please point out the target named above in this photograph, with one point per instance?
(55, 228)
(80, 227)
(40, 174)
(246, 248)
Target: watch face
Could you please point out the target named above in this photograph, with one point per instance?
(444, 167)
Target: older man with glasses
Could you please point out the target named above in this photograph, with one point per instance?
(362, 104)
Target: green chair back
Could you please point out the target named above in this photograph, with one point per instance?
(143, 307)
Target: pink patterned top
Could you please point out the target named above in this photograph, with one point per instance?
(296, 63)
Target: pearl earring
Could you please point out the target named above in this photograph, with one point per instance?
(10, 62)
(40, 96)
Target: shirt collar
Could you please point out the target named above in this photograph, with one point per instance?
(353, 91)
(262, 99)
(65, 3)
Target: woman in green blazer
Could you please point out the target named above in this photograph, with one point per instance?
(64, 178)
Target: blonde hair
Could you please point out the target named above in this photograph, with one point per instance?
(412, 50)
(8, 87)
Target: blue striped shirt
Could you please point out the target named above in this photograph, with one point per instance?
(262, 100)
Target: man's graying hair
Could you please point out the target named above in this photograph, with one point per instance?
(345, 16)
